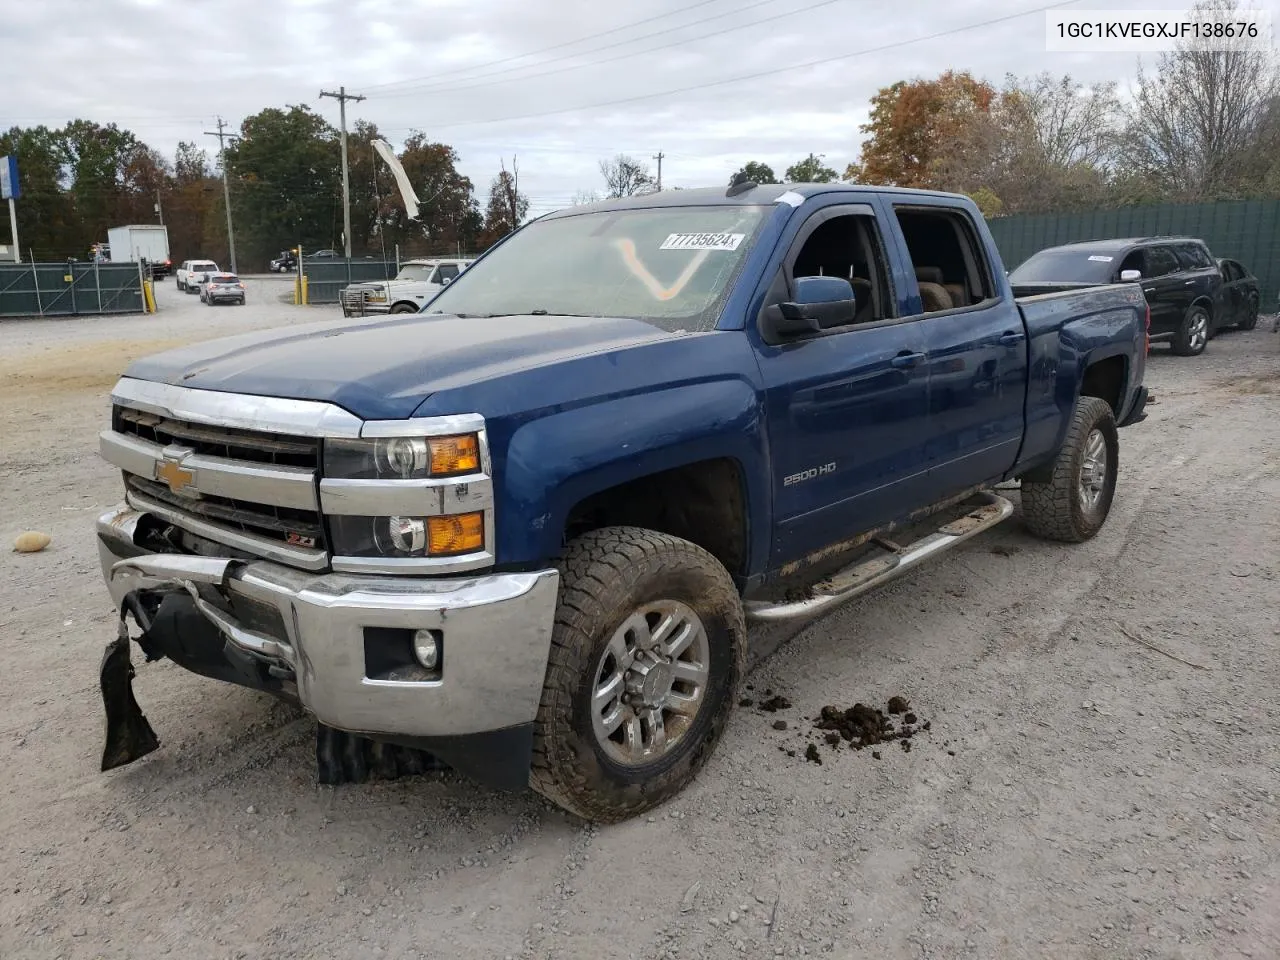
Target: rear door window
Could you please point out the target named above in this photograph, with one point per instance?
(950, 265)
(1192, 256)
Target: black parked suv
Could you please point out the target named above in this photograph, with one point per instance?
(1182, 281)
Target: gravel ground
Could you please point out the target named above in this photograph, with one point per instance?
(1078, 793)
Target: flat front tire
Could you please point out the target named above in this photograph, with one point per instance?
(647, 653)
(1070, 503)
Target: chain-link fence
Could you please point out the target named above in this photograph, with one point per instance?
(69, 289)
(1243, 230)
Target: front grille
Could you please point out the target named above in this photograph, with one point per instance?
(227, 442)
(356, 301)
(233, 477)
(281, 524)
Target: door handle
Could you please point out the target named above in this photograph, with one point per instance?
(1188, 283)
(906, 360)
(1148, 289)
(1010, 338)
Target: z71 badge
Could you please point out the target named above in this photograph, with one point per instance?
(809, 474)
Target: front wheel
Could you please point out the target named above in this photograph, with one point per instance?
(1071, 501)
(647, 651)
(1193, 335)
(404, 308)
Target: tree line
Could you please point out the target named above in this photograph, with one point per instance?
(1200, 125)
(285, 174)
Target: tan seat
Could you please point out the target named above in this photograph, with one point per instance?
(959, 296)
(934, 297)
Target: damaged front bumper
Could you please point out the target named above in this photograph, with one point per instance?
(342, 645)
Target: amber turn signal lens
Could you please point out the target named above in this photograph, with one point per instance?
(460, 533)
(452, 455)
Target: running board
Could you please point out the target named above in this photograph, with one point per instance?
(858, 579)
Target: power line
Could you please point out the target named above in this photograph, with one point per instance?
(555, 46)
(758, 74)
(437, 88)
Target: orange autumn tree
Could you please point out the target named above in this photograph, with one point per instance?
(920, 130)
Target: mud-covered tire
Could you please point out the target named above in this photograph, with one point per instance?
(606, 576)
(1193, 336)
(1053, 506)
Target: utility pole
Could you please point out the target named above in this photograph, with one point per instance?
(658, 156)
(342, 97)
(159, 211)
(226, 190)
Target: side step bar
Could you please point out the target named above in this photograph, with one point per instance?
(856, 580)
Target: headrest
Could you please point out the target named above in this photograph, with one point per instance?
(929, 274)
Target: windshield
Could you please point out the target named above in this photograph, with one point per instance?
(671, 266)
(414, 272)
(1068, 265)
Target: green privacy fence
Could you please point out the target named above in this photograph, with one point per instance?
(69, 289)
(1244, 230)
(325, 278)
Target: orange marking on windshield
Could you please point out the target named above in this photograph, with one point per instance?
(630, 257)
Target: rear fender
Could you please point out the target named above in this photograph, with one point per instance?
(1059, 358)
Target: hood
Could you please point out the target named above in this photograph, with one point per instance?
(384, 368)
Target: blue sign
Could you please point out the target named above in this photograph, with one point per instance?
(9, 178)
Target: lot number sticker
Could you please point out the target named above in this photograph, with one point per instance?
(1102, 259)
(703, 241)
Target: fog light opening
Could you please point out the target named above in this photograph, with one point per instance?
(426, 647)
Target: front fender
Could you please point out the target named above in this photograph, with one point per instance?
(556, 461)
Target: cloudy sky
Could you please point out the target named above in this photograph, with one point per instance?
(562, 83)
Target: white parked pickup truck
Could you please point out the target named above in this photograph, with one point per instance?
(416, 283)
(193, 273)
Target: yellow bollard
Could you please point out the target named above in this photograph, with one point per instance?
(149, 296)
(305, 300)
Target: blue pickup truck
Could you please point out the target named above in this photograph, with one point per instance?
(523, 532)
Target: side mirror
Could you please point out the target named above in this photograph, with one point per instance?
(1129, 276)
(444, 281)
(819, 302)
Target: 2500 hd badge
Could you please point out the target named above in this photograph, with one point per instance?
(809, 474)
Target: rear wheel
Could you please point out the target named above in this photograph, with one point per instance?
(1193, 335)
(1070, 501)
(647, 652)
(1251, 314)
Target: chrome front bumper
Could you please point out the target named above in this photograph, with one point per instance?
(495, 634)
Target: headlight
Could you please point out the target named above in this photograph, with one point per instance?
(402, 458)
(447, 536)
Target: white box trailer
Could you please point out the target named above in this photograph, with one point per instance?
(141, 241)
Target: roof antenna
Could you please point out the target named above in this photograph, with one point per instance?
(741, 184)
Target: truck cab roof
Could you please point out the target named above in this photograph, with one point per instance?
(761, 194)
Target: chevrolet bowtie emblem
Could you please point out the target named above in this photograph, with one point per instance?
(172, 473)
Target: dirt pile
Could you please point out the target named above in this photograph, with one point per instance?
(861, 726)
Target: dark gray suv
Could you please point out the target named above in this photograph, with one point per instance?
(1182, 282)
